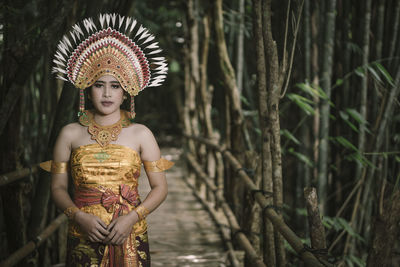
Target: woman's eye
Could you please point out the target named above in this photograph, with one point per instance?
(116, 86)
(98, 85)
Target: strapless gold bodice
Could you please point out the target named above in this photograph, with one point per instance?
(109, 166)
(104, 168)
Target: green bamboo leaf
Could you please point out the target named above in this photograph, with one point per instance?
(346, 143)
(301, 211)
(360, 71)
(385, 73)
(328, 222)
(302, 103)
(244, 100)
(364, 161)
(339, 82)
(290, 136)
(336, 225)
(306, 88)
(374, 74)
(352, 126)
(304, 99)
(347, 227)
(322, 93)
(357, 116)
(301, 157)
(345, 117)
(314, 92)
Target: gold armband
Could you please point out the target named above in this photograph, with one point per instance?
(55, 167)
(142, 212)
(157, 166)
(70, 212)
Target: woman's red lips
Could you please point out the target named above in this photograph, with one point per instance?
(107, 103)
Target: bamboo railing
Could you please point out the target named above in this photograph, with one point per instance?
(24, 251)
(21, 253)
(17, 175)
(234, 225)
(279, 224)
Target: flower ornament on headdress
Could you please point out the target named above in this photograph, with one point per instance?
(116, 46)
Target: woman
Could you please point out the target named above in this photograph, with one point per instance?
(104, 151)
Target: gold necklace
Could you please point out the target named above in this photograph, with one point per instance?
(103, 134)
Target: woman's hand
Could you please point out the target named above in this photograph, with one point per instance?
(121, 228)
(92, 225)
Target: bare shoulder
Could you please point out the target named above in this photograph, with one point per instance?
(63, 146)
(141, 131)
(149, 149)
(70, 132)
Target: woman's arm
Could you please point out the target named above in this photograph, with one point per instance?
(158, 183)
(92, 225)
(149, 151)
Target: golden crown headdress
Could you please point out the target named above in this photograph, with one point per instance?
(115, 45)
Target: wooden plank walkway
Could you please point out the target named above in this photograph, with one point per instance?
(181, 232)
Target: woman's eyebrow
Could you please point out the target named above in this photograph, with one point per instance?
(114, 82)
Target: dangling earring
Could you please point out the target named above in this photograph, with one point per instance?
(133, 114)
(81, 102)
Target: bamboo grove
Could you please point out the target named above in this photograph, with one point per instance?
(304, 94)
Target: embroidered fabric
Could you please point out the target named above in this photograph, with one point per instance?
(106, 185)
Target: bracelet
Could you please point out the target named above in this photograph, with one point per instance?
(71, 211)
(142, 212)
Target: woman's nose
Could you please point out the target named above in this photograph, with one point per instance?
(107, 91)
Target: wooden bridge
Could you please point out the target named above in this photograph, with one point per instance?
(181, 231)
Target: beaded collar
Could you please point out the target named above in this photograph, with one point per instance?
(104, 134)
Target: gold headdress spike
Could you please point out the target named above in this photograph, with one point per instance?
(114, 45)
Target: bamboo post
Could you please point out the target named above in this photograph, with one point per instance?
(317, 230)
(32, 245)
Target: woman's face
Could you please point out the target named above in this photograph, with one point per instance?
(106, 95)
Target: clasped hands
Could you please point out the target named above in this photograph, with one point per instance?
(115, 233)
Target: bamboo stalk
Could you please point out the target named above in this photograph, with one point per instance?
(32, 245)
(17, 175)
(326, 82)
(266, 158)
(277, 221)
